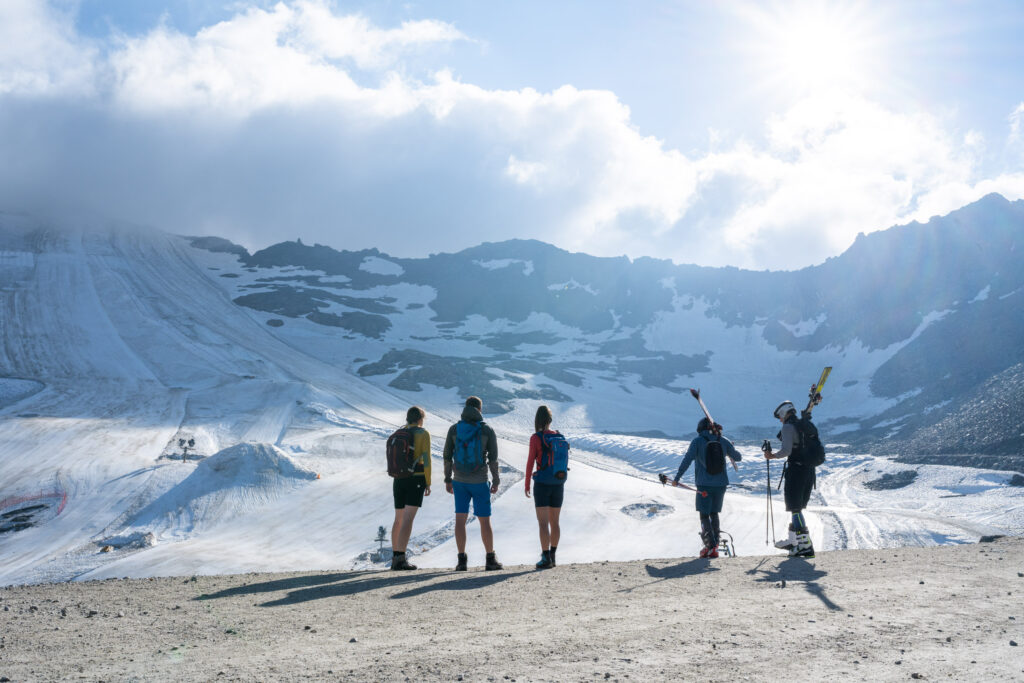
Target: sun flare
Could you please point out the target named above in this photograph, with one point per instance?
(811, 46)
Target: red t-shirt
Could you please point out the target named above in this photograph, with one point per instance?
(536, 449)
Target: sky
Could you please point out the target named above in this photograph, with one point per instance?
(760, 135)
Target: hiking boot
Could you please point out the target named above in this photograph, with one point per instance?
(787, 543)
(463, 560)
(492, 562)
(551, 554)
(399, 563)
(545, 560)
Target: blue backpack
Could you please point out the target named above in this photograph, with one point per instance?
(553, 466)
(469, 446)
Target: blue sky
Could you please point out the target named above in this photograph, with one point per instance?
(761, 135)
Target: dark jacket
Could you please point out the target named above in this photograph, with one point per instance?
(490, 446)
(696, 454)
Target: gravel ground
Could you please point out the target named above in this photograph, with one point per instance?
(909, 613)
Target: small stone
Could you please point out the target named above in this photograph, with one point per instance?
(106, 548)
(120, 615)
(898, 662)
(307, 627)
(92, 613)
(353, 640)
(917, 676)
(1013, 643)
(921, 582)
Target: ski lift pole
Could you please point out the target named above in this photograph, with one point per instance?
(715, 427)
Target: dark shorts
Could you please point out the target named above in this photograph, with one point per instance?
(548, 495)
(798, 486)
(480, 494)
(712, 503)
(409, 491)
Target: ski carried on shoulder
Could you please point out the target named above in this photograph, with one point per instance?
(815, 394)
(663, 478)
(715, 427)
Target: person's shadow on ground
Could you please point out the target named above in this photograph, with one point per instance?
(676, 571)
(318, 586)
(799, 570)
(463, 583)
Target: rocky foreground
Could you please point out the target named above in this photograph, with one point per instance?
(909, 613)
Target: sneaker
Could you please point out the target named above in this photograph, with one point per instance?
(551, 554)
(463, 560)
(545, 560)
(492, 562)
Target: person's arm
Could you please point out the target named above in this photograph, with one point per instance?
(691, 452)
(731, 451)
(449, 448)
(422, 444)
(788, 438)
(534, 454)
(492, 458)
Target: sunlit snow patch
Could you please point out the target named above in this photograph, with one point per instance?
(225, 485)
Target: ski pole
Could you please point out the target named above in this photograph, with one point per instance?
(663, 478)
(769, 518)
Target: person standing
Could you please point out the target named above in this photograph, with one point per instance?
(548, 490)
(799, 477)
(409, 491)
(708, 452)
(470, 450)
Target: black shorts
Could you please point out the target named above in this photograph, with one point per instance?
(798, 486)
(548, 495)
(409, 491)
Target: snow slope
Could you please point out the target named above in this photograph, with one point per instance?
(124, 341)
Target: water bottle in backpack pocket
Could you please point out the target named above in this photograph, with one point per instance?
(714, 457)
(469, 446)
(553, 467)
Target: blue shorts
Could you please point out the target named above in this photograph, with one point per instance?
(480, 494)
(548, 495)
(712, 503)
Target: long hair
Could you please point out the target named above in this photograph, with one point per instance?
(543, 419)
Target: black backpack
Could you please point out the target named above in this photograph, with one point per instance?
(400, 452)
(714, 457)
(812, 451)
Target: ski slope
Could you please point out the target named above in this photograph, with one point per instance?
(115, 343)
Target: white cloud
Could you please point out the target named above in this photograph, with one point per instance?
(296, 115)
(40, 54)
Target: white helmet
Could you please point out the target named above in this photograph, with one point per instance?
(784, 409)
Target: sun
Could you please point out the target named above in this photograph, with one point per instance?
(802, 47)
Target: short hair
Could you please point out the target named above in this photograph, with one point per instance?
(542, 419)
(414, 415)
(704, 425)
(474, 402)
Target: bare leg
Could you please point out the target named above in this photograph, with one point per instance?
(542, 527)
(396, 528)
(460, 531)
(556, 531)
(486, 534)
(405, 528)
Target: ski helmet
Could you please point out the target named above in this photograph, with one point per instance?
(784, 409)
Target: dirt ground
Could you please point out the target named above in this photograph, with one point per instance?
(952, 612)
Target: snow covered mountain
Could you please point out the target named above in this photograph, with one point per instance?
(286, 368)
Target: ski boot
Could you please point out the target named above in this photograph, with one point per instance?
(463, 560)
(545, 560)
(492, 563)
(803, 547)
(399, 563)
(788, 543)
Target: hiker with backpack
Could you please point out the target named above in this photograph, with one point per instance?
(470, 450)
(549, 452)
(408, 451)
(803, 452)
(708, 452)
